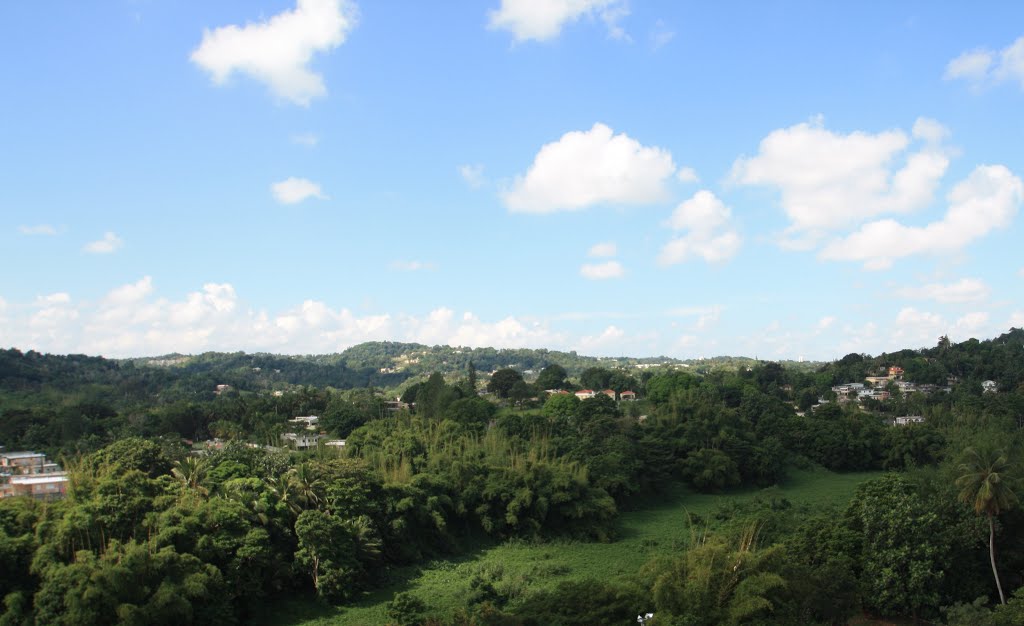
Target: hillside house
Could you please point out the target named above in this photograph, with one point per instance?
(583, 394)
(30, 474)
(906, 386)
(609, 392)
(989, 386)
(309, 421)
(842, 390)
(301, 441)
(906, 420)
(627, 396)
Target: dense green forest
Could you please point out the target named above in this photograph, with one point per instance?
(152, 532)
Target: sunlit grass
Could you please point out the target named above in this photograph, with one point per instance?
(659, 527)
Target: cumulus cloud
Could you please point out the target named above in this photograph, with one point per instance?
(707, 231)
(109, 243)
(964, 290)
(38, 229)
(542, 20)
(278, 51)
(587, 168)
(825, 323)
(987, 199)
(602, 271)
(293, 190)
(831, 180)
(972, 66)
(133, 320)
(606, 248)
(982, 67)
(473, 175)
(921, 328)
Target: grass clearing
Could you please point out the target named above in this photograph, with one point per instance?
(659, 527)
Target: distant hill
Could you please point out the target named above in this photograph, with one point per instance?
(387, 364)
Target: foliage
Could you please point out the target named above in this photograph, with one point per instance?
(903, 550)
(718, 581)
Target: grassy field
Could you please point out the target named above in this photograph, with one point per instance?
(659, 528)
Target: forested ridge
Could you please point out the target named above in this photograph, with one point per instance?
(153, 533)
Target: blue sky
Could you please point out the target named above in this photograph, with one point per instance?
(776, 179)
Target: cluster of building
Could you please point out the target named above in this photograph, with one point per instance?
(879, 389)
(310, 436)
(31, 474)
(583, 394)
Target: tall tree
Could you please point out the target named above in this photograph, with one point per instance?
(552, 377)
(986, 483)
(502, 381)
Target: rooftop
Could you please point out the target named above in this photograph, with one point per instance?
(21, 455)
(36, 479)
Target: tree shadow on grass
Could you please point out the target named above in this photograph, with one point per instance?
(308, 610)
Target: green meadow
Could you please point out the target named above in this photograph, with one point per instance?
(659, 526)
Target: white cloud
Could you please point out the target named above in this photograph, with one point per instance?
(305, 139)
(130, 293)
(412, 266)
(278, 51)
(542, 20)
(473, 175)
(825, 323)
(1020, 272)
(602, 271)
(133, 320)
(982, 67)
(709, 234)
(606, 248)
(973, 66)
(687, 175)
(831, 180)
(964, 290)
(108, 244)
(986, 200)
(610, 336)
(61, 297)
(294, 190)
(1016, 320)
(586, 168)
(920, 328)
(38, 229)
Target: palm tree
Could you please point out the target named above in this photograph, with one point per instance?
(190, 474)
(307, 485)
(986, 484)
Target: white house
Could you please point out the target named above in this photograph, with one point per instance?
(907, 419)
(989, 386)
(301, 441)
(309, 421)
(583, 394)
